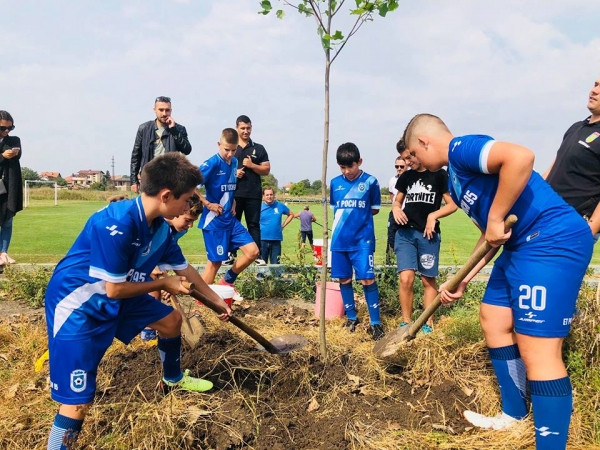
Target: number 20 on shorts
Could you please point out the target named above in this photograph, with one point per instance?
(532, 297)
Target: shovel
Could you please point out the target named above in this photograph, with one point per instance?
(191, 327)
(389, 345)
(281, 344)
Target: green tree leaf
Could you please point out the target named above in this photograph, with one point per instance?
(280, 13)
(338, 36)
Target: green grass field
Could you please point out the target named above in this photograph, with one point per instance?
(43, 233)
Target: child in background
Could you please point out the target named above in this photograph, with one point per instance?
(355, 198)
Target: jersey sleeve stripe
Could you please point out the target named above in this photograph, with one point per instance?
(164, 267)
(96, 272)
(484, 155)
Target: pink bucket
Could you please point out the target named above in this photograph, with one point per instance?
(334, 305)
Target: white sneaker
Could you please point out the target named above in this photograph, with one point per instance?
(260, 262)
(500, 422)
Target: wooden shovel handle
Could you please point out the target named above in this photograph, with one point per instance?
(234, 320)
(455, 281)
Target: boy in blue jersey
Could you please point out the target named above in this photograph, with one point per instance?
(222, 231)
(99, 291)
(271, 229)
(530, 299)
(355, 198)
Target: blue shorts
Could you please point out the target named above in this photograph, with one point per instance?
(361, 260)
(416, 252)
(74, 361)
(219, 243)
(540, 282)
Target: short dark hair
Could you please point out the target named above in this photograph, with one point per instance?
(171, 171)
(5, 115)
(268, 188)
(347, 154)
(400, 146)
(162, 99)
(242, 118)
(195, 206)
(230, 135)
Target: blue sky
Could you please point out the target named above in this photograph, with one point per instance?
(80, 76)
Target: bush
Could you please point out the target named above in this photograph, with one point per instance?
(26, 285)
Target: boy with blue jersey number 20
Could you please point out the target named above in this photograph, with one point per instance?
(529, 302)
(100, 291)
(355, 198)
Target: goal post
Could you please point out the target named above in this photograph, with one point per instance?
(28, 188)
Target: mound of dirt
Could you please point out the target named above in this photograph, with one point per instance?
(296, 400)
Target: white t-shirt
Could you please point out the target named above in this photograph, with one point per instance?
(392, 186)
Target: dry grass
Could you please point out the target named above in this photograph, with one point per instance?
(245, 403)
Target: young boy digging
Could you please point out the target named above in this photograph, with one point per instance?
(355, 198)
(529, 302)
(99, 291)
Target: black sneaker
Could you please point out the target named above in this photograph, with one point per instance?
(229, 261)
(376, 332)
(351, 324)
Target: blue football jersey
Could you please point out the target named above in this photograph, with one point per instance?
(220, 183)
(270, 221)
(473, 188)
(352, 202)
(116, 245)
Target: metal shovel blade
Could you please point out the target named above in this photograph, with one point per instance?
(287, 343)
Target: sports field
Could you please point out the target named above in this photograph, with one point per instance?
(43, 233)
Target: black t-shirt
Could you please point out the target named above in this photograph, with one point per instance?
(423, 193)
(575, 175)
(249, 186)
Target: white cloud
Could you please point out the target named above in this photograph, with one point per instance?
(81, 79)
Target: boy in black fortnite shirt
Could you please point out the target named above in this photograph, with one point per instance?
(418, 239)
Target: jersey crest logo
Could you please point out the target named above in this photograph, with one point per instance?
(592, 137)
(276, 210)
(113, 230)
(78, 380)
(361, 187)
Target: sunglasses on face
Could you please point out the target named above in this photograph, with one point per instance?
(163, 99)
(12, 127)
(399, 167)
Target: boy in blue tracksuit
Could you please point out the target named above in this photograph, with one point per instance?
(530, 299)
(355, 198)
(99, 291)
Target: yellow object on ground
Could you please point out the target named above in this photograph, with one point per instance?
(39, 364)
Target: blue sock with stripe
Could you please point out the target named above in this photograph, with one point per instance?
(512, 379)
(169, 350)
(230, 276)
(347, 292)
(552, 402)
(372, 297)
(64, 432)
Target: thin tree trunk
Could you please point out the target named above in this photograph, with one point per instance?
(325, 206)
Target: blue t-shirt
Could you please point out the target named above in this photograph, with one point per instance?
(538, 209)
(352, 203)
(116, 245)
(270, 221)
(220, 183)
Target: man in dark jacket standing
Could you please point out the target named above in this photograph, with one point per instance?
(157, 137)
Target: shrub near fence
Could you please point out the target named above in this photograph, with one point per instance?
(78, 194)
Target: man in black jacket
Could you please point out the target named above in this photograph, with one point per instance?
(156, 137)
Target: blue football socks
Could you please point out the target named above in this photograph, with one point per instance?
(230, 276)
(511, 375)
(170, 355)
(552, 402)
(347, 292)
(64, 431)
(372, 297)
